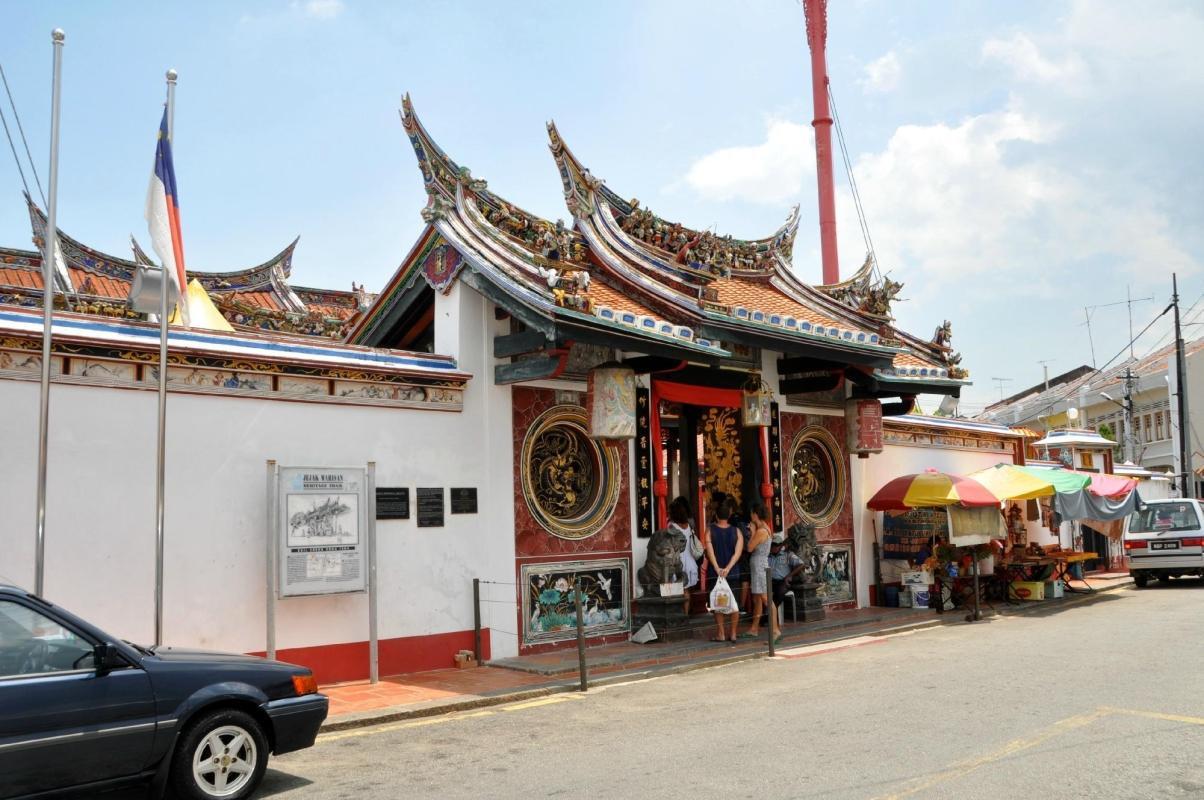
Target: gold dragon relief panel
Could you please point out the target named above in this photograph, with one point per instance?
(720, 429)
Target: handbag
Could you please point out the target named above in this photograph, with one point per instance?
(697, 550)
(722, 599)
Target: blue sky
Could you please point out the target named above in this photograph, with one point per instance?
(1018, 161)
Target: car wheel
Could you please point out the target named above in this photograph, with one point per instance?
(1140, 581)
(222, 754)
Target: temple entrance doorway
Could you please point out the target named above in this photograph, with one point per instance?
(704, 450)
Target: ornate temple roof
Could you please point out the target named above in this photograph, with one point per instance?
(747, 282)
(620, 270)
(254, 298)
(538, 269)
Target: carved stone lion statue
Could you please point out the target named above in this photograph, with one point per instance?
(663, 564)
(800, 539)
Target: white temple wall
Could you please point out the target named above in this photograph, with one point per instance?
(100, 530)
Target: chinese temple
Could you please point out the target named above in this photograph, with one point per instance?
(620, 308)
(588, 372)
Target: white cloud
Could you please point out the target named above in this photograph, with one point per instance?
(984, 205)
(1021, 55)
(882, 74)
(770, 172)
(320, 9)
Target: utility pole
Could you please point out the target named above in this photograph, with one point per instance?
(1045, 366)
(1130, 456)
(1186, 476)
(1001, 382)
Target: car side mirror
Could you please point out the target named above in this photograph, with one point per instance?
(106, 658)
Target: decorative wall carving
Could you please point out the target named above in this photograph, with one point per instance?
(816, 476)
(720, 429)
(570, 483)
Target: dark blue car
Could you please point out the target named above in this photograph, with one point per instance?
(82, 710)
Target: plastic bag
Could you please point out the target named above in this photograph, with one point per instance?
(722, 599)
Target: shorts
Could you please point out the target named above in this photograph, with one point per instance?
(780, 587)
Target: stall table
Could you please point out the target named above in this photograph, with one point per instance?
(1050, 567)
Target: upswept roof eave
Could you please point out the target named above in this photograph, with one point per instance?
(77, 254)
(578, 180)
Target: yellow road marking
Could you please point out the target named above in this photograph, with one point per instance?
(1011, 748)
(543, 701)
(1157, 715)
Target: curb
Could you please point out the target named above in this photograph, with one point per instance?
(571, 684)
(386, 715)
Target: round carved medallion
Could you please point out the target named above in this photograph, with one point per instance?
(816, 476)
(570, 483)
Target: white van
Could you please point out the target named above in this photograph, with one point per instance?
(1165, 540)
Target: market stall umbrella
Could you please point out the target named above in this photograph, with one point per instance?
(931, 489)
(1109, 485)
(1011, 482)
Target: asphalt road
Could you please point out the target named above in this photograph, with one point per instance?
(1100, 700)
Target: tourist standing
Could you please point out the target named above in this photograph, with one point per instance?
(679, 523)
(758, 546)
(724, 546)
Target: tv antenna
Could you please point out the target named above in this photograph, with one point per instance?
(1045, 366)
(1001, 382)
(1128, 301)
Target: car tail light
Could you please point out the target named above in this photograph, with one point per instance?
(1195, 542)
(305, 684)
(1136, 544)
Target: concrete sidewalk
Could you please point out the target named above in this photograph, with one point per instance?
(513, 679)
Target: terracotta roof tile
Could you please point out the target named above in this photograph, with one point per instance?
(92, 283)
(758, 296)
(604, 295)
(25, 278)
(254, 299)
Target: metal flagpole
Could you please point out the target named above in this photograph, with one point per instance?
(50, 242)
(159, 502)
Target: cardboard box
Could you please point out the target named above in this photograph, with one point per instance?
(465, 659)
(1054, 590)
(918, 578)
(1028, 590)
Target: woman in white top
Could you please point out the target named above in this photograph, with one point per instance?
(679, 522)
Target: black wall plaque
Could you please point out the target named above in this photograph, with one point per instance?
(430, 507)
(643, 465)
(392, 502)
(464, 500)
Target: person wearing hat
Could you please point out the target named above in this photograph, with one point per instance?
(784, 565)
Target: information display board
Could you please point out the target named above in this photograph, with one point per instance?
(323, 530)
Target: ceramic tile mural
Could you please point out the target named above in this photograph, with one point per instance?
(549, 608)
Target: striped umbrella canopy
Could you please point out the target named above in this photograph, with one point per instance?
(1011, 482)
(931, 488)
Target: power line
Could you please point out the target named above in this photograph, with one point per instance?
(21, 129)
(848, 167)
(1119, 353)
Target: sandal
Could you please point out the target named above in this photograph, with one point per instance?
(747, 636)
(713, 639)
